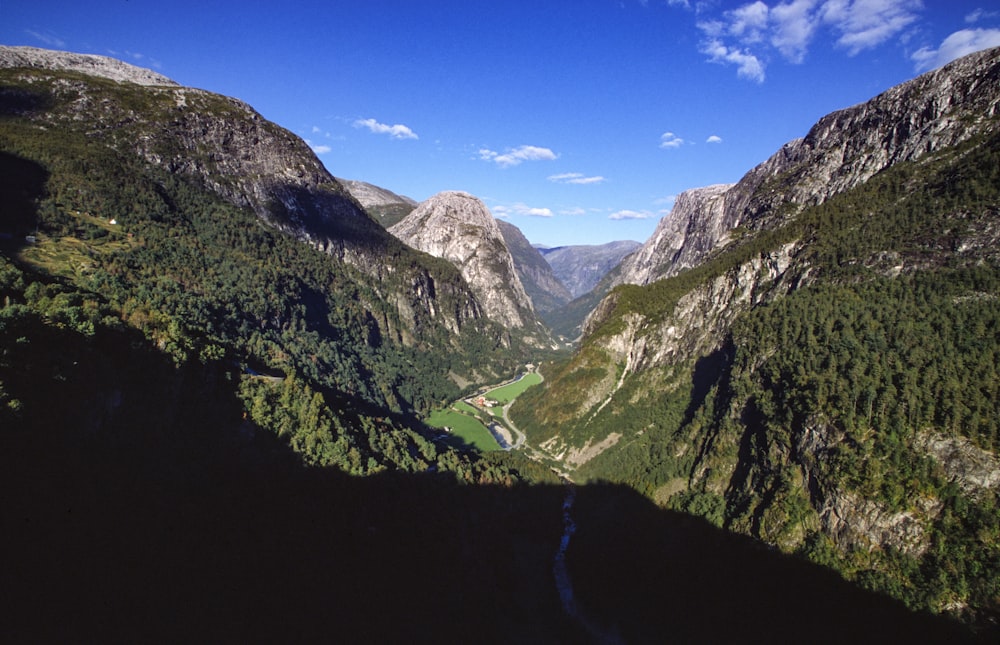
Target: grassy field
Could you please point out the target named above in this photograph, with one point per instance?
(464, 427)
(467, 429)
(508, 393)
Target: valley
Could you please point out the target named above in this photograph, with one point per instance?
(778, 417)
(472, 419)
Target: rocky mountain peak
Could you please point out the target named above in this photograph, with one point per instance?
(459, 227)
(693, 227)
(89, 64)
(371, 196)
(842, 150)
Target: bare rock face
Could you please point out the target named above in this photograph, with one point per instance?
(88, 64)
(385, 206)
(540, 282)
(842, 150)
(459, 228)
(693, 227)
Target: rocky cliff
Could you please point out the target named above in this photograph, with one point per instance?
(779, 370)
(842, 150)
(547, 293)
(384, 206)
(459, 228)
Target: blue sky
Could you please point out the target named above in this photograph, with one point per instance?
(578, 121)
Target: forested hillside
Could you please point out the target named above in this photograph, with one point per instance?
(828, 385)
(206, 280)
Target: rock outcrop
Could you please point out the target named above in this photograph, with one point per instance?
(459, 228)
(88, 64)
(385, 206)
(842, 150)
(694, 226)
(547, 293)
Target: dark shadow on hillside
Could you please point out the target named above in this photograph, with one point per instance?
(708, 371)
(656, 576)
(22, 183)
(137, 507)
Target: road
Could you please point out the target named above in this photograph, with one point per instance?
(519, 437)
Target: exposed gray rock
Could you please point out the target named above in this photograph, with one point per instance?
(88, 64)
(547, 293)
(385, 206)
(694, 226)
(581, 267)
(973, 469)
(460, 228)
(842, 150)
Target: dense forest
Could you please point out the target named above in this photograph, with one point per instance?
(886, 343)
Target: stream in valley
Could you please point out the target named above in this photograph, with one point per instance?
(564, 584)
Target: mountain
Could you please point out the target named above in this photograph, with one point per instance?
(88, 64)
(215, 232)
(581, 267)
(843, 150)
(383, 205)
(694, 226)
(459, 228)
(808, 357)
(213, 363)
(547, 293)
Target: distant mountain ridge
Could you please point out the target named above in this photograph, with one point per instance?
(581, 267)
(382, 204)
(547, 293)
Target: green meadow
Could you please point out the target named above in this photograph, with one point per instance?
(464, 426)
(508, 393)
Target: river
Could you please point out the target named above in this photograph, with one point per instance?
(564, 584)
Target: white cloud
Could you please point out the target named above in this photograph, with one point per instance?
(745, 36)
(747, 65)
(576, 178)
(517, 155)
(628, 214)
(979, 14)
(864, 24)
(749, 22)
(670, 140)
(955, 46)
(521, 209)
(794, 24)
(714, 139)
(47, 38)
(395, 131)
(573, 211)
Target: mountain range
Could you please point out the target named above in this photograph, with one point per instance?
(808, 356)
(215, 360)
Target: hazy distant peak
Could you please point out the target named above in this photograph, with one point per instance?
(370, 195)
(90, 64)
